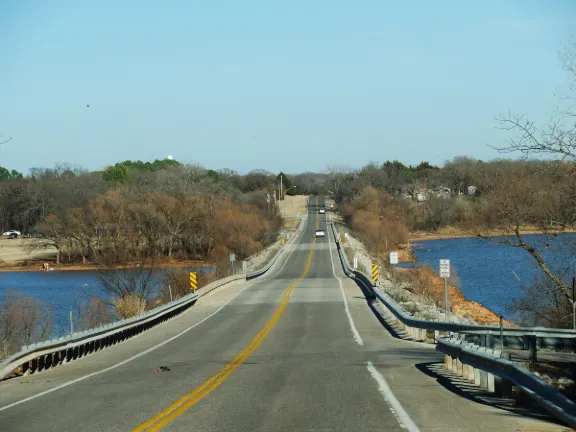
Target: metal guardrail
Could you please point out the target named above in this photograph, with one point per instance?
(45, 355)
(418, 323)
(548, 397)
(48, 354)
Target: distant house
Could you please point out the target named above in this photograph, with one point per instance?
(441, 192)
(421, 193)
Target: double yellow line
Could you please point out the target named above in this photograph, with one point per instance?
(185, 402)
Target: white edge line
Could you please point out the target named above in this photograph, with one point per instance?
(401, 415)
(134, 357)
(355, 332)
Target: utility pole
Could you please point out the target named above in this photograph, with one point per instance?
(280, 197)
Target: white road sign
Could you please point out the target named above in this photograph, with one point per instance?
(232, 257)
(355, 263)
(393, 257)
(444, 268)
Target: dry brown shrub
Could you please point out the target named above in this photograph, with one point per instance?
(93, 313)
(130, 305)
(377, 220)
(178, 281)
(23, 320)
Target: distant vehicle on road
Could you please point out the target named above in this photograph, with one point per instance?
(319, 233)
(7, 233)
(12, 235)
(322, 211)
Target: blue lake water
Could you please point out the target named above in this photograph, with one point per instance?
(63, 290)
(486, 270)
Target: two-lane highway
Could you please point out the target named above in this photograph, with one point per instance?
(299, 350)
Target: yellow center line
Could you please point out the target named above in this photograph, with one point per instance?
(185, 402)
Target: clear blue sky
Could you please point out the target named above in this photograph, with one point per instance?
(290, 85)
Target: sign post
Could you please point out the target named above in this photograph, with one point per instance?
(394, 261)
(232, 259)
(244, 267)
(445, 274)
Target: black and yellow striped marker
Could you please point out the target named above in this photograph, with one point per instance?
(375, 273)
(193, 281)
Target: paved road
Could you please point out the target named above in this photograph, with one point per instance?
(297, 351)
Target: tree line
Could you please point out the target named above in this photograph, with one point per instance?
(509, 198)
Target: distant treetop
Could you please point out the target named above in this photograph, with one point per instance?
(6, 175)
(157, 165)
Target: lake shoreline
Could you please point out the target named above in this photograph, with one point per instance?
(464, 235)
(37, 266)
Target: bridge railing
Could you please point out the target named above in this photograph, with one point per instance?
(481, 365)
(485, 368)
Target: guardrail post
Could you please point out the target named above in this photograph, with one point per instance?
(33, 365)
(477, 379)
(489, 341)
(491, 378)
(532, 355)
(25, 368)
(483, 374)
(503, 387)
(470, 374)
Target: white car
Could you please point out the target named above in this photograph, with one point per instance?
(319, 233)
(7, 233)
(322, 211)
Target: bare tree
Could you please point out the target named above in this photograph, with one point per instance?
(558, 137)
(93, 313)
(542, 304)
(23, 320)
(4, 140)
(518, 199)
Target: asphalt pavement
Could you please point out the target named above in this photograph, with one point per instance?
(299, 350)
